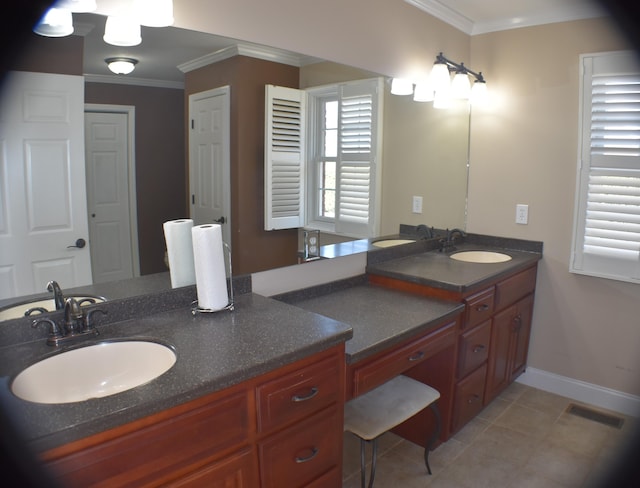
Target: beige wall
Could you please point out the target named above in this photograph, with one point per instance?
(524, 150)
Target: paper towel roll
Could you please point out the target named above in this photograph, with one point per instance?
(208, 255)
(177, 235)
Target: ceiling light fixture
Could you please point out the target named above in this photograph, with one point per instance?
(56, 22)
(121, 66)
(439, 87)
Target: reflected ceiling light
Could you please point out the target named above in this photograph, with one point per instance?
(154, 13)
(56, 22)
(441, 89)
(401, 86)
(121, 66)
(122, 31)
(79, 6)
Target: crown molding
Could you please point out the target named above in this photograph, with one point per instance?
(129, 80)
(559, 13)
(250, 50)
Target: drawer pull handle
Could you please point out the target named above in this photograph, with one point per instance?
(417, 356)
(314, 453)
(298, 398)
(517, 323)
(479, 347)
(482, 308)
(474, 398)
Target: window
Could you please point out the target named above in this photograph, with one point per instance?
(339, 184)
(607, 218)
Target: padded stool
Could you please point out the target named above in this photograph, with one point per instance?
(381, 409)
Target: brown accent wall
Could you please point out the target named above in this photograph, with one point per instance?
(253, 248)
(62, 55)
(159, 153)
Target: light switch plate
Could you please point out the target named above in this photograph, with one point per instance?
(522, 214)
(417, 205)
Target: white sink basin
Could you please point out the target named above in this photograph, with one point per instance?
(17, 311)
(392, 242)
(93, 371)
(481, 257)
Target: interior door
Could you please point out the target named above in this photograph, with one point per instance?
(209, 160)
(107, 165)
(43, 219)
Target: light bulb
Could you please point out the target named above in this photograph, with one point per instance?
(461, 86)
(401, 86)
(439, 77)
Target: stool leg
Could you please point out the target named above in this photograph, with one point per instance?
(434, 436)
(374, 456)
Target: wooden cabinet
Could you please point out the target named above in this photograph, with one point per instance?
(492, 340)
(285, 423)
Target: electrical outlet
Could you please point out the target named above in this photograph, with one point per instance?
(522, 214)
(417, 205)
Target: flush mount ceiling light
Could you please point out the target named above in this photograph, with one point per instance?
(154, 13)
(56, 22)
(439, 88)
(121, 66)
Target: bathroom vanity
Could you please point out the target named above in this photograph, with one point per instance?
(256, 395)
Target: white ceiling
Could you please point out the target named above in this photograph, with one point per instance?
(162, 50)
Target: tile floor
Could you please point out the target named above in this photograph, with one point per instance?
(523, 439)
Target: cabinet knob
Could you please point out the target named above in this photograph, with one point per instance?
(474, 398)
(417, 356)
(482, 308)
(479, 347)
(517, 322)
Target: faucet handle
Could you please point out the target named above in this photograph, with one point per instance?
(55, 332)
(88, 325)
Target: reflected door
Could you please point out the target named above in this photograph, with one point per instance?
(209, 161)
(43, 218)
(107, 164)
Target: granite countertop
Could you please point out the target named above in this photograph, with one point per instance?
(214, 351)
(380, 317)
(437, 269)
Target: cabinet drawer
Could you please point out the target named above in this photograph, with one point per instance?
(473, 348)
(479, 307)
(404, 357)
(298, 394)
(300, 454)
(511, 289)
(469, 397)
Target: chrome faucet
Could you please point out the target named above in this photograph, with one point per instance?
(76, 324)
(448, 243)
(58, 297)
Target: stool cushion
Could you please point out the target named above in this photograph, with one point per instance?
(386, 406)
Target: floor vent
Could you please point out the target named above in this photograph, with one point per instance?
(596, 416)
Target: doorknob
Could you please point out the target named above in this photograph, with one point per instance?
(80, 243)
(221, 220)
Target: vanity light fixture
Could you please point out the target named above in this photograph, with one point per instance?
(79, 6)
(154, 13)
(121, 66)
(439, 87)
(56, 22)
(122, 30)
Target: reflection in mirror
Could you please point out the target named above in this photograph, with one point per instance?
(425, 150)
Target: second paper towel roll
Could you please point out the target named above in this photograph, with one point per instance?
(208, 256)
(177, 235)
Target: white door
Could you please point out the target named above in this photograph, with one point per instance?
(43, 214)
(209, 161)
(108, 200)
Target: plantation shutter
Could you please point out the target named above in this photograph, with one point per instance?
(358, 153)
(284, 164)
(607, 228)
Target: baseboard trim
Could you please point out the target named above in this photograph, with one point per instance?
(582, 391)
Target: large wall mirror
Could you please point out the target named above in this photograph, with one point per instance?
(425, 150)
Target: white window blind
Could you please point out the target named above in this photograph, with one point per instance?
(607, 222)
(284, 164)
(357, 159)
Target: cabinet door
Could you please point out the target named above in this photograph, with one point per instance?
(237, 471)
(521, 333)
(498, 374)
